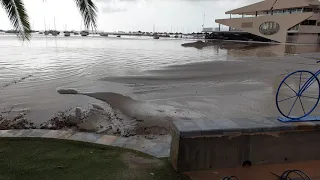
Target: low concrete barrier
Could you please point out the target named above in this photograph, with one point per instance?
(214, 144)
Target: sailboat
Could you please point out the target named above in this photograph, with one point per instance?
(104, 34)
(45, 28)
(155, 35)
(55, 32)
(83, 33)
(66, 33)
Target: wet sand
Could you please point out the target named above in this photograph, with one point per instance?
(236, 88)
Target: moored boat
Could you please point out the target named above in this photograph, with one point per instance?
(104, 34)
(66, 34)
(84, 33)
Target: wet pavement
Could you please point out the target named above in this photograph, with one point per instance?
(236, 88)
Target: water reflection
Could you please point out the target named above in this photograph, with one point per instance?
(237, 49)
(267, 50)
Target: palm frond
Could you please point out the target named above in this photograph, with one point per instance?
(18, 17)
(88, 11)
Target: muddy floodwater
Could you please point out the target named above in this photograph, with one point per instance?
(133, 85)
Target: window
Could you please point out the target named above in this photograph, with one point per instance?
(309, 22)
(269, 28)
(296, 10)
(318, 24)
(286, 11)
(307, 9)
(275, 12)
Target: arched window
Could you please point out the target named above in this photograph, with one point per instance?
(269, 28)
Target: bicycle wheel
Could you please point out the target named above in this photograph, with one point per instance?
(298, 94)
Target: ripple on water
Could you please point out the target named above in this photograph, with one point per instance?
(79, 62)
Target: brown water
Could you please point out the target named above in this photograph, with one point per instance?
(160, 73)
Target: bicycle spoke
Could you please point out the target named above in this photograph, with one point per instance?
(287, 99)
(309, 97)
(293, 106)
(290, 87)
(300, 80)
(302, 106)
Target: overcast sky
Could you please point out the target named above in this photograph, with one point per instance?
(130, 15)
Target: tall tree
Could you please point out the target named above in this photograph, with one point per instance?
(20, 20)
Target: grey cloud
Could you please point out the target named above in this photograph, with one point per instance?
(111, 6)
(109, 9)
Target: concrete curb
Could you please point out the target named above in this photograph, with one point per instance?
(158, 147)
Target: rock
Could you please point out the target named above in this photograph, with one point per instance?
(78, 112)
(67, 91)
(95, 106)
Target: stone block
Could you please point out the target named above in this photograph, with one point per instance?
(57, 134)
(227, 126)
(38, 133)
(120, 142)
(187, 128)
(106, 140)
(17, 133)
(66, 134)
(207, 127)
(85, 137)
(3, 132)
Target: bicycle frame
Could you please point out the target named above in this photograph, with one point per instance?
(308, 83)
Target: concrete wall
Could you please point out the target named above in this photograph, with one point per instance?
(229, 151)
(309, 29)
(315, 17)
(307, 38)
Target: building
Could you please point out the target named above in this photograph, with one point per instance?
(291, 21)
(207, 29)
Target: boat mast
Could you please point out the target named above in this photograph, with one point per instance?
(204, 17)
(55, 28)
(81, 26)
(45, 26)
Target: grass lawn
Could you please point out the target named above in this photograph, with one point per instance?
(44, 159)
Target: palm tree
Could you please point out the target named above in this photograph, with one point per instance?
(20, 20)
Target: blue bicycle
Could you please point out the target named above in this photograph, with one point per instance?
(298, 94)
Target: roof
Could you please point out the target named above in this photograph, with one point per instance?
(267, 5)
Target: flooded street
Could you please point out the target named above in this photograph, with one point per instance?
(151, 81)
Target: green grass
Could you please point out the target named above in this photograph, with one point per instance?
(43, 159)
